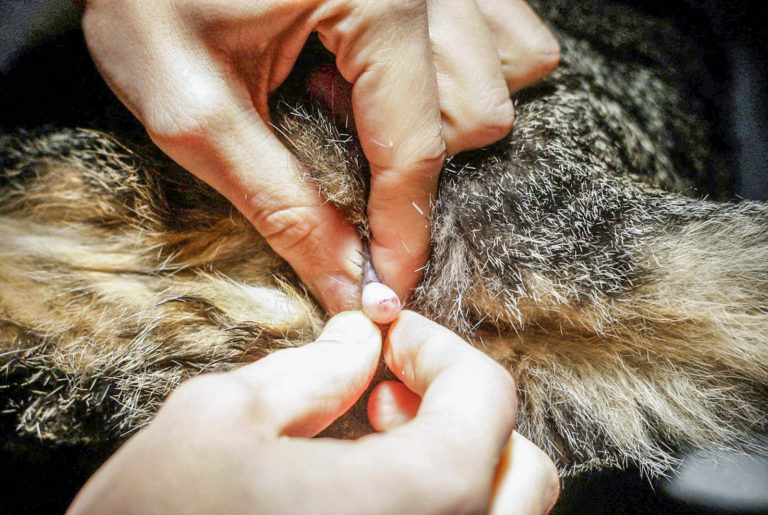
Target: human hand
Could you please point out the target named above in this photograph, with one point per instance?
(427, 75)
(239, 441)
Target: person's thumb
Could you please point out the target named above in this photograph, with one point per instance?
(299, 392)
(236, 153)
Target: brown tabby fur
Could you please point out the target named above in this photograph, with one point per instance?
(633, 318)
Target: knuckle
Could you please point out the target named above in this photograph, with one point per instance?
(432, 151)
(197, 385)
(414, 169)
(198, 390)
(500, 115)
(200, 115)
(547, 47)
(548, 57)
(491, 119)
(288, 229)
(426, 160)
(535, 61)
(540, 45)
(214, 397)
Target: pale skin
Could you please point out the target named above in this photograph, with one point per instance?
(429, 78)
(240, 442)
(380, 303)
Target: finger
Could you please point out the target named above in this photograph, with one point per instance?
(474, 98)
(391, 404)
(526, 480)
(527, 48)
(468, 400)
(300, 392)
(204, 115)
(227, 145)
(384, 51)
(380, 303)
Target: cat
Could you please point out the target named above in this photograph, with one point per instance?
(577, 252)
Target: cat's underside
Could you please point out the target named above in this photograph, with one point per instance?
(632, 318)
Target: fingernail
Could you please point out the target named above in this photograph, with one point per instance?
(380, 303)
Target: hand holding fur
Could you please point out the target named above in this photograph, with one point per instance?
(239, 441)
(197, 75)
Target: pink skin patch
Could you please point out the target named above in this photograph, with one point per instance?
(380, 303)
(328, 87)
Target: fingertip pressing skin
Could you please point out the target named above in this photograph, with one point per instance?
(380, 303)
